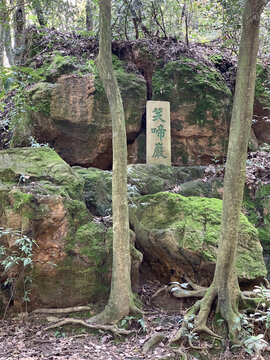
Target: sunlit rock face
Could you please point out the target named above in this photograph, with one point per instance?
(73, 116)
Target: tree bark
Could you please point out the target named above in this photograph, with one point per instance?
(19, 31)
(89, 15)
(40, 14)
(5, 37)
(225, 283)
(120, 300)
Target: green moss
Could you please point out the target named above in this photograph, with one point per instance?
(194, 223)
(41, 97)
(58, 66)
(188, 82)
(97, 190)
(42, 165)
(21, 199)
(94, 242)
(133, 91)
(262, 85)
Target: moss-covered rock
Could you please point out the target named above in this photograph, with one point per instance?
(142, 179)
(150, 179)
(200, 110)
(97, 190)
(42, 196)
(179, 236)
(257, 209)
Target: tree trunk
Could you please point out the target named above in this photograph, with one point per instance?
(40, 14)
(225, 283)
(89, 15)
(5, 37)
(19, 31)
(120, 300)
(8, 44)
(2, 40)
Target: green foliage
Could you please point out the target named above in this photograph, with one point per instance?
(247, 324)
(128, 321)
(16, 81)
(20, 257)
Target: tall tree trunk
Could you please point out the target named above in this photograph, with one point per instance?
(120, 300)
(89, 15)
(19, 30)
(2, 44)
(5, 37)
(40, 14)
(8, 44)
(225, 283)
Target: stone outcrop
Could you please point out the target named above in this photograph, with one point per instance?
(179, 236)
(73, 116)
(187, 181)
(70, 111)
(200, 110)
(41, 196)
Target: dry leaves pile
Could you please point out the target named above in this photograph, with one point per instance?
(257, 170)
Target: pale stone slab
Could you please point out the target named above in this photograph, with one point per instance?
(158, 132)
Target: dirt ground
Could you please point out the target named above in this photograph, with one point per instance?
(23, 337)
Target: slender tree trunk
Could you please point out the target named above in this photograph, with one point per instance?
(19, 31)
(120, 300)
(2, 44)
(5, 37)
(40, 14)
(8, 43)
(89, 15)
(225, 283)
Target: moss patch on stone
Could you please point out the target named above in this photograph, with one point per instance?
(133, 91)
(97, 190)
(187, 81)
(21, 166)
(194, 224)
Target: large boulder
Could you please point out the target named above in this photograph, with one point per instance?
(73, 116)
(200, 110)
(43, 198)
(179, 236)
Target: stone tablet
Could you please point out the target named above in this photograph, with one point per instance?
(158, 133)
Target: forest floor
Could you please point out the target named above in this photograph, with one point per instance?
(23, 337)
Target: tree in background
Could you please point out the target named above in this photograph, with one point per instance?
(120, 300)
(5, 34)
(19, 21)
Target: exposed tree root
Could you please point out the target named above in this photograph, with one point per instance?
(62, 310)
(180, 290)
(229, 311)
(153, 341)
(112, 328)
(181, 353)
